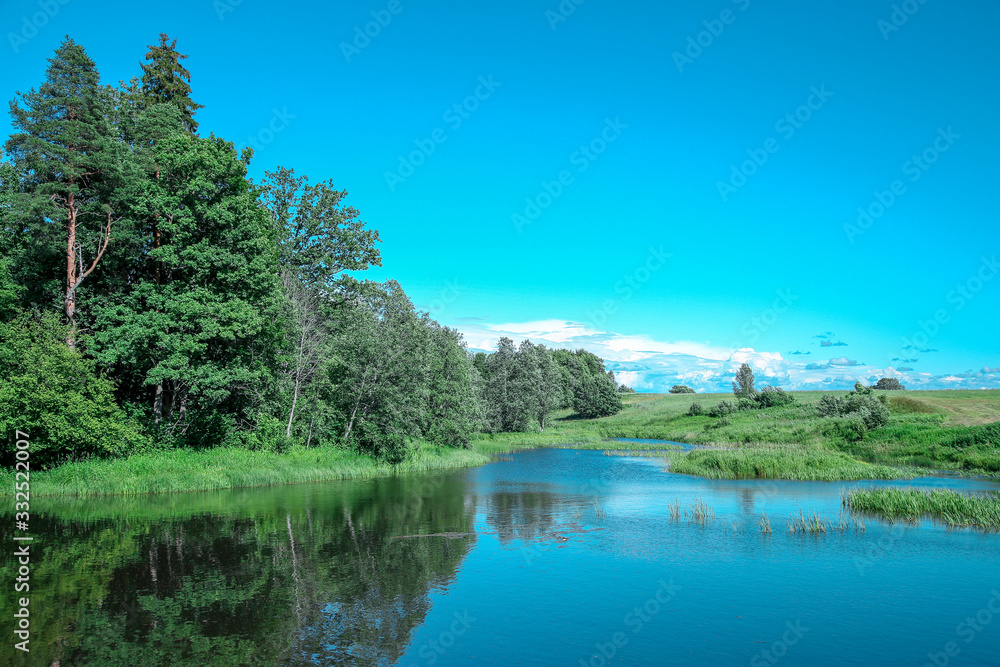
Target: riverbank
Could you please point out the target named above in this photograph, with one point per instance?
(950, 430)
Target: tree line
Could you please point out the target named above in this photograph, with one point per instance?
(152, 295)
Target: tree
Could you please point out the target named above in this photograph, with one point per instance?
(542, 381)
(194, 332)
(319, 237)
(889, 384)
(453, 411)
(70, 161)
(305, 332)
(681, 389)
(505, 390)
(166, 81)
(743, 384)
(597, 397)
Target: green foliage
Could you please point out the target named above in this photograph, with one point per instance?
(166, 81)
(743, 384)
(56, 395)
(889, 384)
(695, 410)
(722, 409)
(779, 463)
(951, 507)
(681, 389)
(772, 397)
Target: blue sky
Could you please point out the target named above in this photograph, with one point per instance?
(676, 188)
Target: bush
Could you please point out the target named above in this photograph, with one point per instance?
(744, 404)
(379, 442)
(722, 409)
(681, 389)
(268, 436)
(695, 410)
(889, 384)
(57, 396)
(625, 389)
(870, 410)
(771, 397)
(831, 406)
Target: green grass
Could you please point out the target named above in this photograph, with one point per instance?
(781, 463)
(225, 468)
(951, 507)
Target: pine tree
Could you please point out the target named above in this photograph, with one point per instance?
(70, 161)
(166, 81)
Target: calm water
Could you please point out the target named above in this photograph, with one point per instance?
(554, 557)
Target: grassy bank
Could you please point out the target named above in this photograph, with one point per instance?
(224, 468)
(951, 507)
(781, 463)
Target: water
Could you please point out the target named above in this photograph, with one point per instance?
(548, 557)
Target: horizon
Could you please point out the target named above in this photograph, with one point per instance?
(676, 189)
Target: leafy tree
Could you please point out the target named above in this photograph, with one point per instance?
(625, 389)
(597, 397)
(195, 330)
(889, 384)
(681, 389)
(506, 390)
(319, 236)
(453, 411)
(743, 384)
(166, 81)
(71, 163)
(543, 382)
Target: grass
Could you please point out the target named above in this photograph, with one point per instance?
(781, 463)
(953, 508)
(225, 468)
(954, 430)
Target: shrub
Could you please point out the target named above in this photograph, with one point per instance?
(744, 404)
(695, 410)
(58, 397)
(831, 406)
(681, 389)
(770, 397)
(722, 409)
(379, 442)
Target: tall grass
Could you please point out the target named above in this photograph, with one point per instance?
(225, 468)
(780, 463)
(951, 507)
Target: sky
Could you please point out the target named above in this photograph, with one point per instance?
(810, 188)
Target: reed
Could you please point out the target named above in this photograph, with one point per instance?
(977, 510)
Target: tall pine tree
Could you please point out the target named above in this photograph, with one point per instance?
(166, 81)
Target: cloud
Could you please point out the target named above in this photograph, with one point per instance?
(920, 349)
(906, 361)
(798, 352)
(827, 343)
(649, 364)
(990, 371)
(828, 334)
(904, 369)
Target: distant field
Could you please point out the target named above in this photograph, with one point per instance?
(957, 430)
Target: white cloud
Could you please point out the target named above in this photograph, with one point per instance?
(647, 364)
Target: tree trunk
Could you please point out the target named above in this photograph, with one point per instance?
(71, 271)
(158, 403)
